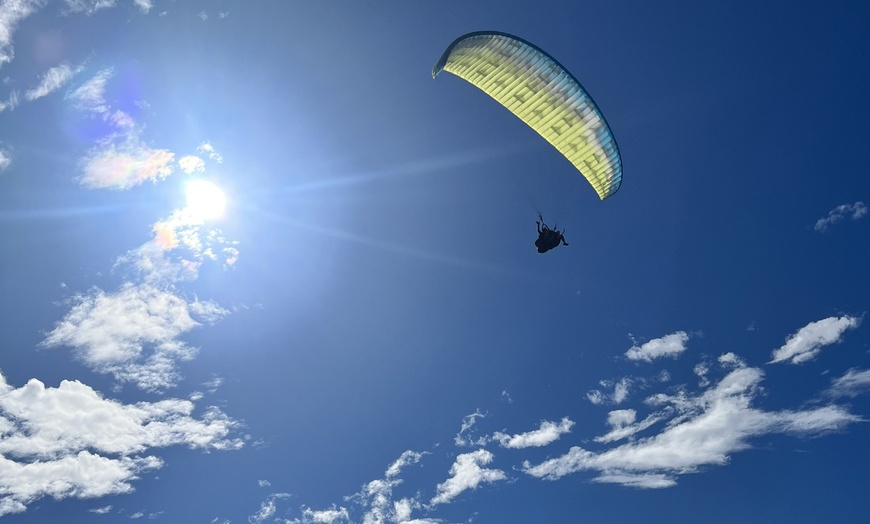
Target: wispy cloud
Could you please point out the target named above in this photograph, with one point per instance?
(808, 342)
(70, 441)
(88, 6)
(621, 389)
(208, 150)
(52, 80)
(11, 13)
(708, 428)
(121, 160)
(667, 346)
(90, 96)
(464, 437)
(5, 157)
(101, 511)
(853, 211)
(549, 432)
(853, 383)
(623, 425)
(144, 5)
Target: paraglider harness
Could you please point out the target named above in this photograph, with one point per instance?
(548, 238)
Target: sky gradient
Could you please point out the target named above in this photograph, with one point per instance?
(260, 267)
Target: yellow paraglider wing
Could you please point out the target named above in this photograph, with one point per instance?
(544, 95)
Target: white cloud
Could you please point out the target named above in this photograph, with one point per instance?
(731, 360)
(191, 164)
(701, 369)
(267, 510)
(112, 331)
(621, 390)
(90, 96)
(264, 483)
(52, 80)
(12, 12)
(853, 383)
(207, 149)
(667, 346)
(179, 247)
(405, 459)
(549, 432)
(325, 516)
(5, 157)
(462, 438)
(622, 423)
(88, 6)
(708, 429)
(467, 473)
(70, 441)
(207, 311)
(808, 342)
(125, 165)
(596, 397)
(101, 511)
(144, 5)
(853, 211)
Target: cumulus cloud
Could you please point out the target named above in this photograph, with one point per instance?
(667, 346)
(52, 80)
(70, 441)
(191, 164)
(548, 432)
(467, 473)
(853, 211)
(808, 342)
(706, 430)
(131, 334)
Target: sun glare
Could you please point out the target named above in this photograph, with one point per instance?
(205, 200)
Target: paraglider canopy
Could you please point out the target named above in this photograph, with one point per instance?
(543, 94)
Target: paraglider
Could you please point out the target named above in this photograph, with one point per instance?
(548, 238)
(542, 93)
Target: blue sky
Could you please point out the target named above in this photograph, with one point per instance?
(366, 333)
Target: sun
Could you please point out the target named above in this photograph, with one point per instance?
(205, 200)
